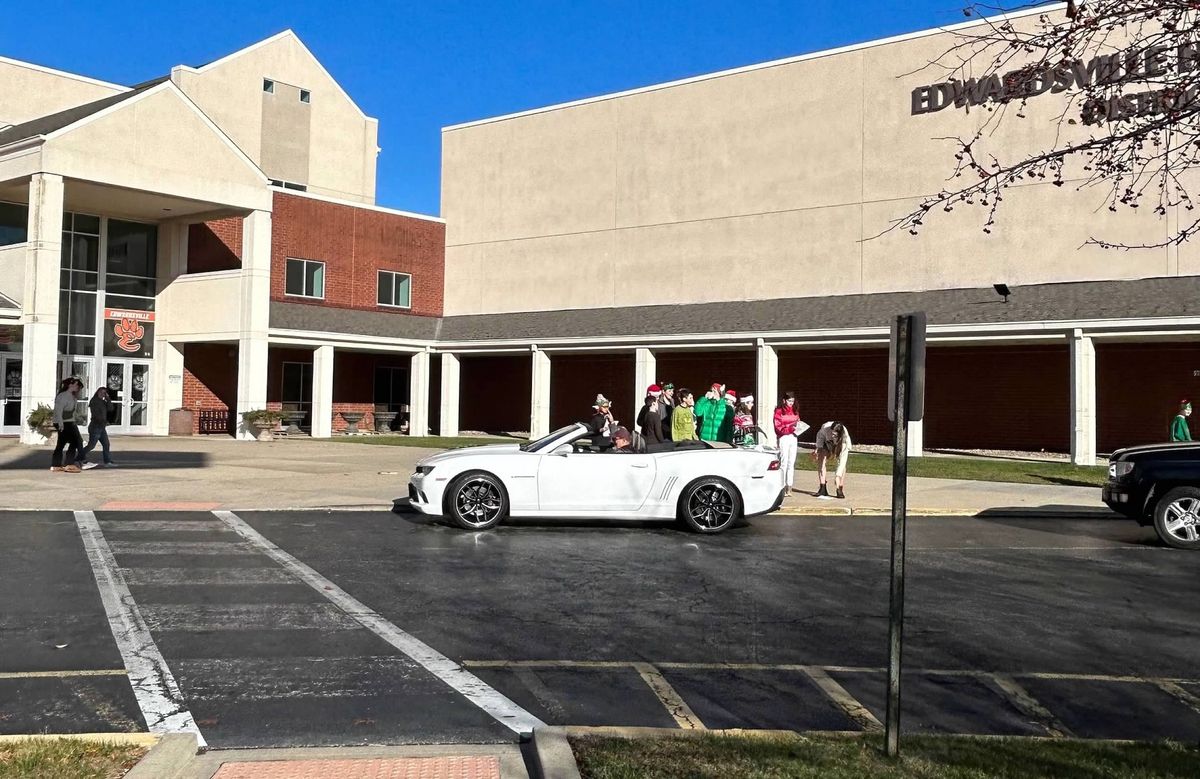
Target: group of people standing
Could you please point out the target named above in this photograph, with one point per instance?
(71, 411)
(670, 415)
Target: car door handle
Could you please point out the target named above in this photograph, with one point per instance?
(639, 465)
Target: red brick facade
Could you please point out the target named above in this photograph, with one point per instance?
(1138, 389)
(356, 243)
(495, 393)
(575, 380)
(209, 379)
(215, 245)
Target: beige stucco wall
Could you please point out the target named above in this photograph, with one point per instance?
(758, 184)
(27, 92)
(157, 142)
(200, 304)
(12, 271)
(342, 143)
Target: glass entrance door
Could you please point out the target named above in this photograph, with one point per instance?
(10, 398)
(128, 385)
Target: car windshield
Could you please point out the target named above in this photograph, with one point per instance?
(534, 446)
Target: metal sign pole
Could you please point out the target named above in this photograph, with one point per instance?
(903, 343)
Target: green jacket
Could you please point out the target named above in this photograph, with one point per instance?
(683, 425)
(715, 419)
(1179, 429)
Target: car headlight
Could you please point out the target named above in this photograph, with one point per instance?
(1120, 468)
(424, 470)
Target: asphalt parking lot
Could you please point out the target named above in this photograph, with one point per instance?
(314, 627)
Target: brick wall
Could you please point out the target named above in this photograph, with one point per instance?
(356, 243)
(846, 385)
(575, 380)
(215, 245)
(209, 379)
(495, 393)
(1138, 390)
(353, 381)
(698, 370)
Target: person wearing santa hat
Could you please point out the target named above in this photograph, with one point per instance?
(725, 433)
(711, 412)
(649, 419)
(1179, 425)
(745, 432)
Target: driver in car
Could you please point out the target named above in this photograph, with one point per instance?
(625, 442)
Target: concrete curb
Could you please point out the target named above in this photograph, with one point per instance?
(552, 755)
(1054, 512)
(168, 759)
(133, 739)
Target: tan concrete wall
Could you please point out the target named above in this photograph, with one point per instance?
(200, 304)
(759, 184)
(158, 143)
(342, 142)
(27, 92)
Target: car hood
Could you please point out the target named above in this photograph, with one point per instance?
(1133, 451)
(453, 454)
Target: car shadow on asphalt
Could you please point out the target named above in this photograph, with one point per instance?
(403, 509)
(1109, 526)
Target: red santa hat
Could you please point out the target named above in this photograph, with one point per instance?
(747, 398)
(730, 395)
(654, 390)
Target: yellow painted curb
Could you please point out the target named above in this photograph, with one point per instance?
(812, 511)
(918, 512)
(132, 739)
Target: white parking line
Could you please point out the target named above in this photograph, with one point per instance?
(154, 686)
(466, 683)
(843, 699)
(59, 674)
(683, 715)
(1180, 694)
(1030, 706)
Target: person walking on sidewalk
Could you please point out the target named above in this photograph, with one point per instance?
(68, 431)
(100, 406)
(833, 441)
(1179, 425)
(787, 430)
(683, 421)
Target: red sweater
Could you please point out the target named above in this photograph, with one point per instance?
(785, 420)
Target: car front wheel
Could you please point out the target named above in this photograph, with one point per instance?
(1177, 518)
(710, 505)
(476, 501)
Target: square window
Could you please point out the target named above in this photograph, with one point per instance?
(305, 96)
(305, 278)
(268, 86)
(395, 289)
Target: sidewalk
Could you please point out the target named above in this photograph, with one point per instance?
(212, 473)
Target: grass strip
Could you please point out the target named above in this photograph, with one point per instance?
(922, 757)
(67, 758)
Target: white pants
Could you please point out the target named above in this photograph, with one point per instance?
(787, 459)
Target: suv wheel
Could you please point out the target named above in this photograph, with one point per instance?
(1177, 518)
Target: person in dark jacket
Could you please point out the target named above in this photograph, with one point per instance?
(100, 407)
(652, 425)
(666, 407)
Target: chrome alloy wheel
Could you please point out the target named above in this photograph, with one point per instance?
(1182, 519)
(478, 502)
(711, 506)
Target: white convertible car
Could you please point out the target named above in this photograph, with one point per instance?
(705, 486)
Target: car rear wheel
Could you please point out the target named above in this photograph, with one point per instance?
(710, 505)
(476, 501)
(1177, 518)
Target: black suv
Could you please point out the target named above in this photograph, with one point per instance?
(1158, 485)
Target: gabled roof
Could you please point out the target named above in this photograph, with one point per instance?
(44, 125)
(6, 303)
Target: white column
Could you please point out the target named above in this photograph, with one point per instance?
(43, 257)
(1083, 399)
(916, 439)
(166, 384)
(256, 317)
(645, 366)
(450, 393)
(767, 386)
(322, 392)
(539, 396)
(166, 372)
(418, 395)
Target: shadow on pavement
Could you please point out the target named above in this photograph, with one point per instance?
(143, 460)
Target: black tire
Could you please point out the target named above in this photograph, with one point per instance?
(709, 505)
(1177, 518)
(476, 500)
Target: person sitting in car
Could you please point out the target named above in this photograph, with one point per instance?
(625, 442)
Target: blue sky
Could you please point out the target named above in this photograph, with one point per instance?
(421, 66)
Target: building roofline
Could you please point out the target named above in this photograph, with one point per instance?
(65, 74)
(276, 37)
(1050, 7)
(369, 206)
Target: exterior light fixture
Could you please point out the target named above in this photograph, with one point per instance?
(1002, 289)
